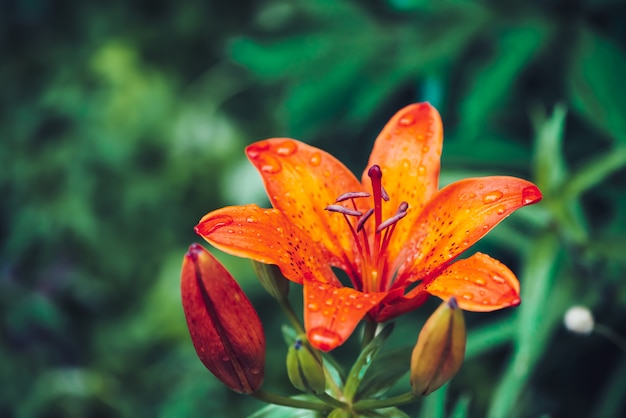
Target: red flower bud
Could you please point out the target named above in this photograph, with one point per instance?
(225, 329)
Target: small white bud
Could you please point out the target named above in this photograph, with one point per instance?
(579, 319)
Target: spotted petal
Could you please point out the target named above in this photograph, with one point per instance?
(408, 151)
(479, 283)
(458, 216)
(267, 236)
(301, 181)
(331, 313)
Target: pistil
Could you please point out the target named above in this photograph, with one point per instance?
(374, 265)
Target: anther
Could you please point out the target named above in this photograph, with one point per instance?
(375, 172)
(342, 209)
(364, 218)
(383, 193)
(352, 195)
(400, 213)
(395, 218)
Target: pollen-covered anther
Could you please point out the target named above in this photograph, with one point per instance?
(343, 210)
(351, 195)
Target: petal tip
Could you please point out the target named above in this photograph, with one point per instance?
(194, 251)
(531, 194)
(324, 339)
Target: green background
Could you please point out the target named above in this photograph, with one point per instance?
(122, 123)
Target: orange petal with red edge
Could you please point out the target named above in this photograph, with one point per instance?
(458, 216)
(479, 283)
(301, 181)
(408, 150)
(225, 329)
(331, 313)
(267, 236)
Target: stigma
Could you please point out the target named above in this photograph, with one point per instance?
(371, 241)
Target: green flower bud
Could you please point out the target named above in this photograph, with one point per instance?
(305, 368)
(440, 349)
(272, 279)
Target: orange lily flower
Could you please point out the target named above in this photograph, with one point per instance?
(397, 243)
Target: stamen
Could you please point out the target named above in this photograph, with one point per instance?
(351, 195)
(342, 209)
(364, 218)
(383, 193)
(395, 218)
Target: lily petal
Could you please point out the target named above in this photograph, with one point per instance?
(408, 150)
(331, 313)
(458, 216)
(301, 181)
(479, 283)
(267, 236)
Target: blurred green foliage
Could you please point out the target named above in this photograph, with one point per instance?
(122, 123)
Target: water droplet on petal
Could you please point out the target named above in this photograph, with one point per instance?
(530, 194)
(329, 302)
(467, 296)
(323, 338)
(255, 150)
(425, 149)
(255, 370)
(286, 148)
(421, 170)
(225, 358)
(407, 119)
(214, 224)
(480, 281)
(313, 307)
(492, 196)
(316, 159)
(250, 219)
(406, 164)
(270, 165)
(500, 210)
(498, 279)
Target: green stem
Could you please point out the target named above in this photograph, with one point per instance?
(293, 318)
(329, 400)
(370, 404)
(290, 402)
(369, 332)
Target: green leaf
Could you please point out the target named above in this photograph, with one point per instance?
(278, 411)
(364, 361)
(595, 83)
(386, 413)
(384, 373)
(461, 408)
(549, 164)
(496, 78)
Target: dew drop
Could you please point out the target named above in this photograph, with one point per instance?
(270, 165)
(500, 210)
(225, 358)
(315, 159)
(329, 302)
(313, 307)
(467, 296)
(407, 119)
(323, 338)
(286, 148)
(230, 231)
(498, 279)
(214, 224)
(255, 370)
(530, 194)
(406, 164)
(255, 150)
(251, 219)
(358, 305)
(421, 170)
(480, 281)
(492, 196)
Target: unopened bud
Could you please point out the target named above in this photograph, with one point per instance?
(440, 349)
(579, 319)
(272, 279)
(305, 368)
(224, 327)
